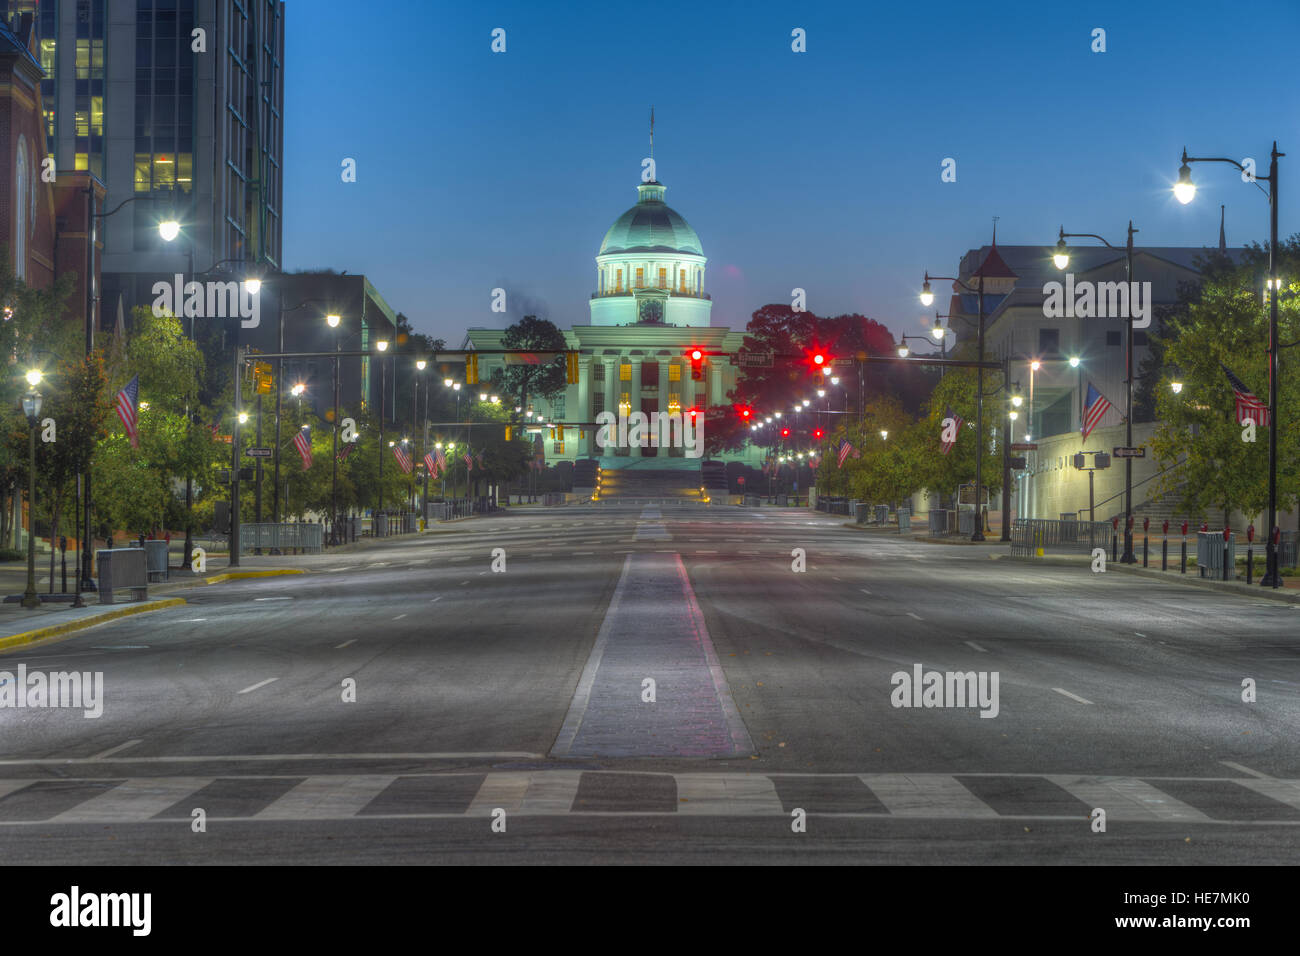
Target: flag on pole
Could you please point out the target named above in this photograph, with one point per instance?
(402, 457)
(946, 446)
(469, 462)
(1248, 406)
(441, 459)
(843, 450)
(128, 409)
(348, 448)
(1095, 407)
(431, 464)
(302, 442)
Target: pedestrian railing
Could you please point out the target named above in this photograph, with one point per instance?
(283, 537)
(450, 510)
(1032, 536)
(943, 521)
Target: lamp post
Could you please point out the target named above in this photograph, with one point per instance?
(332, 320)
(1061, 258)
(32, 409)
(382, 346)
(927, 298)
(1185, 191)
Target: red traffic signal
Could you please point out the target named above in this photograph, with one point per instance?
(745, 413)
(785, 433)
(818, 434)
(693, 412)
(697, 363)
(696, 355)
(819, 358)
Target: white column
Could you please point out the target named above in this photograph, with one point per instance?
(663, 390)
(584, 403)
(634, 396)
(611, 394)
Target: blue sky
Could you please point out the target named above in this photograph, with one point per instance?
(819, 170)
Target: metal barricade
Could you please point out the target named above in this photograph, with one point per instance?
(1286, 552)
(1209, 554)
(904, 520)
(882, 514)
(943, 521)
(283, 537)
(1029, 536)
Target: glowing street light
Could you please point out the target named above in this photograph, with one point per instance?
(169, 229)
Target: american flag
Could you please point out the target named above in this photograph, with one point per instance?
(215, 428)
(1248, 406)
(302, 442)
(843, 450)
(348, 448)
(1094, 409)
(403, 458)
(128, 409)
(946, 446)
(431, 464)
(469, 462)
(441, 459)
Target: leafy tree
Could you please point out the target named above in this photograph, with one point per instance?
(1223, 322)
(532, 334)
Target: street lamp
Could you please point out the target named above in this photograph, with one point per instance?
(169, 229)
(927, 298)
(332, 320)
(382, 347)
(1062, 259)
(1185, 191)
(32, 409)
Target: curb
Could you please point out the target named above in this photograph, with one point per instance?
(54, 630)
(1281, 595)
(234, 575)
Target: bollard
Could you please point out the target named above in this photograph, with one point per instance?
(1164, 548)
(1182, 567)
(63, 558)
(1226, 532)
(1250, 553)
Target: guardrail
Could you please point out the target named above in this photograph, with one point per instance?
(282, 537)
(1029, 536)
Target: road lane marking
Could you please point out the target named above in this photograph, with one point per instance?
(864, 590)
(339, 647)
(1283, 791)
(551, 791)
(399, 617)
(261, 683)
(315, 797)
(917, 616)
(274, 599)
(730, 793)
(1129, 800)
(579, 554)
(1071, 696)
(436, 600)
(1246, 770)
(133, 801)
(191, 620)
(976, 646)
(112, 750)
(925, 795)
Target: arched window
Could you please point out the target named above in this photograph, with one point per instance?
(22, 176)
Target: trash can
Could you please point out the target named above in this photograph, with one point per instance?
(861, 511)
(155, 555)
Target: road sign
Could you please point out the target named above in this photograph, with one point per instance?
(258, 452)
(1017, 464)
(1122, 452)
(1024, 446)
(842, 362)
(754, 359)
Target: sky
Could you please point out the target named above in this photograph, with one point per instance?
(818, 170)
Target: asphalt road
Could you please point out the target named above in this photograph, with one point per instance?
(406, 703)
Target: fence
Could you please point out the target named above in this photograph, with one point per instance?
(1028, 535)
(1286, 552)
(1209, 554)
(281, 538)
(943, 521)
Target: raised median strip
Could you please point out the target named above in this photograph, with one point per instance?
(235, 575)
(81, 622)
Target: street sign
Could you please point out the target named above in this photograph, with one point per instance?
(1024, 446)
(1122, 452)
(842, 362)
(257, 452)
(754, 359)
(1017, 464)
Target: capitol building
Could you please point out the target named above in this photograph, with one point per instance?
(649, 308)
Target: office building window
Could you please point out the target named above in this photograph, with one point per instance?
(624, 372)
(674, 372)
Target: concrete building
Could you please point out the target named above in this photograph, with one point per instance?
(177, 104)
(648, 310)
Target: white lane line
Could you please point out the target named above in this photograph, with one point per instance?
(326, 797)
(1071, 696)
(346, 567)
(274, 599)
(466, 581)
(730, 793)
(436, 600)
(1128, 799)
(1245, 770)
(925, 795)
(1136, 634)
(192, 620)
(399, 617)
(274, 758)
(578, 554)
(339, 647)
(542, 554)
(261, 683)
(976, 646)
(864, 590)
(133, 801)
(916, 616)
(1283, 791)
(118, 749)
(481, 573)
(698, 551)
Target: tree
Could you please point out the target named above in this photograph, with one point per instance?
(943, 473)
(1223, 322)
(531, 334)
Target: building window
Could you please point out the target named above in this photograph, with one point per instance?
(598, 371)
(618, 281)
(640, 278)
(1049, 341)
(1112, 338)
(650, 374)
(681, 280)
(557, 407)
(663, 278)
(557, 447)
(624, 372)
(598, 403)
(674, 372)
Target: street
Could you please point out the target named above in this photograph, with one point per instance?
(655, 682)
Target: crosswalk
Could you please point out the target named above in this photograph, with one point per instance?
(353, 796)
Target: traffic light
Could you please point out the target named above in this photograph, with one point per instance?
(819, 434)
(697, 364)
(471, 369)
(693, 413)
(509, 433)
(746, 415)
(262, 380)
(785, 433)
(571, 367)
